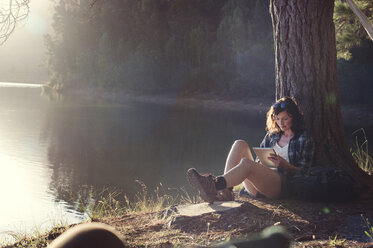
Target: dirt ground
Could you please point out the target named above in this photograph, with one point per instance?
(309, 225)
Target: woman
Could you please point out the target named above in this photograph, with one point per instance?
(294, 152)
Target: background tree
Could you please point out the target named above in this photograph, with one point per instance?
(349, 31)
(306, 68)
(355, 53)
(184, 46)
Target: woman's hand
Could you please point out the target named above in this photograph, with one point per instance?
(281, 163)
(277, 160)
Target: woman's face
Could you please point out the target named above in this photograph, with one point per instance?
(284, 121)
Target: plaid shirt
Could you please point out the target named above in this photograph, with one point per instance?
(300, 151)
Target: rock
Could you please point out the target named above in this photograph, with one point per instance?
(204, 208)
(182, 214)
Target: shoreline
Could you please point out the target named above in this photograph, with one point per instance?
(207, 101)
(358, 115)
(308, 224)
(216, 102)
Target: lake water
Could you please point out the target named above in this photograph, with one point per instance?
(55, 153)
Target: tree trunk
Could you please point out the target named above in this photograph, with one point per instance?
(306, 68)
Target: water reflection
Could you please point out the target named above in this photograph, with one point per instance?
(98, 146)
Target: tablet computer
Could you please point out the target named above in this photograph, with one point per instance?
(263, 154)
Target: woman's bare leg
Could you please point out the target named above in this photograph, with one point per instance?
(266, 181)
(240, 149)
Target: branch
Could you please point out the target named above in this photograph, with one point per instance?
(10, 14)
(93, 3)
(362, 18)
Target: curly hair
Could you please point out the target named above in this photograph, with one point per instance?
(288, 104)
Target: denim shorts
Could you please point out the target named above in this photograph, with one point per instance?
(285, 192)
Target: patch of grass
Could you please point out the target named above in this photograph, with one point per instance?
(360, 152)
(336, 242)
(238, 187)
(35, 239)
(104, 204)
(369, 232)
(160, 198)
(111, 202)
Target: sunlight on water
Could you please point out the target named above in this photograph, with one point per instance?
(27, 202)
(24, 183)
(19, 85)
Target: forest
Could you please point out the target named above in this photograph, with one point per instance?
(189, 47)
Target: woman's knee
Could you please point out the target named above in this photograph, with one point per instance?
(241, 144)
(246, 161)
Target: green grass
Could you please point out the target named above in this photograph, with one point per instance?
(148, 202)
(103, 204)
(360, 152)
(336, 242)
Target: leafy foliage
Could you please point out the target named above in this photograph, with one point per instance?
(349, 31)
(163, 46)
(189, 46)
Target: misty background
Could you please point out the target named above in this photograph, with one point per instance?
(184, 47)
(23, 57)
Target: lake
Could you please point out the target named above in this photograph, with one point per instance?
(55, 153)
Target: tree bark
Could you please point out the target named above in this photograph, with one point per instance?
(306, 68)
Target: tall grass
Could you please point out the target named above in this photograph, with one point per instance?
(110, 202)
(106, 203)
(160, 198)
(360, 151)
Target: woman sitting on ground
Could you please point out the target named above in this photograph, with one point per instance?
(294, 152)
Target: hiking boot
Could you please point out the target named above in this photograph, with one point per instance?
(204, 184)
(224, 195)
